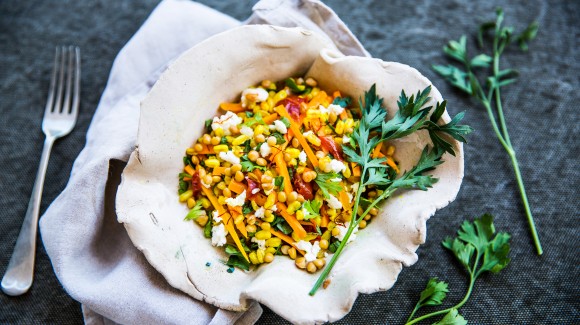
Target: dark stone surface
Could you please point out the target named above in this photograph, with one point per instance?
(541, 109)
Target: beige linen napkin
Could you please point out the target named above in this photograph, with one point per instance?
(91, 253)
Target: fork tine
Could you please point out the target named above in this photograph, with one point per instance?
(52, 86)
(69, 73)
(57, 103)
(77, 83)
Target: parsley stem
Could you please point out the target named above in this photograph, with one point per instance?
(344, 241)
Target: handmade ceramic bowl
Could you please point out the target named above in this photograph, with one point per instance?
(172, 117)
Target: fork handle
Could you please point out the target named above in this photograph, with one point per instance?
(18, 277)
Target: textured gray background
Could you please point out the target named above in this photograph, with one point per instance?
(541, 110)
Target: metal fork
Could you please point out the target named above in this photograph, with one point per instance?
(60, 116)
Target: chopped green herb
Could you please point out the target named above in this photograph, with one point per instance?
(297, 89)
(207, 228)
(195, 212)
(285, 121)
(208, 125)
(279, 137)
(279, 182)
(312, 209)
(326, 185)
(249, 166)
(342, 101)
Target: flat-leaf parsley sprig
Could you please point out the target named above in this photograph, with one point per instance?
(489, 94)
(479, 251)
(373, 129)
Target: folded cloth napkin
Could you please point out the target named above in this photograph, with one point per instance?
(91, 253)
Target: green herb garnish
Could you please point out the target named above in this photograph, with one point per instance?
(374, 128)
(312, 209)
(279, 137)
(323, 180)
(479, 250)
(195, 212)
(279, 182)
(342, 101)
(297, 89)
(249, 166)
(489, 94)
(236, 258)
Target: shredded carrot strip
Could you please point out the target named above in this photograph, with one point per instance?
(343, 115)
(355, 169)
(296, 130)
(232, 107)
(220, 209)
(188, 169)
(283, 171)
(377, 150)
(324, 220)
(391, 163)
(207, 150)
(344, 199)
(260, 199)
(291, 220)
(240, 225)
(270, 118)
(317, 100)
(236, 187)
(285, 238)
(219, 170)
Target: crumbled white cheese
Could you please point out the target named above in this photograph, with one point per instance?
(343, 230)
(305, 134)
(332, 108)
(259, 213)
(245, 130)
(262, 95)
(265, 149)
(310, 250)
(256, 190)
(261, 242)
(230, 157)
(337, 166)
(280, 127)
(216, 217)
(336, 179)
(302, 156)
(204, 184)
(226, 121)
(218, 235)
(333, 202)
(274, 208)
(345, 139)
(238, 201)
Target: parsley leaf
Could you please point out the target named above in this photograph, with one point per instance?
(282, 225)
(279, 137)
(279, 182)
(488, 95)
(312, 209)
(195, 212)
(207, 228)
(249, 166)
(479, 249)
(297, 89)
(208, 125)
(256, 120)
(236, 258)
(342, 101)
(286, 121)
(326, 185)
(452, 318)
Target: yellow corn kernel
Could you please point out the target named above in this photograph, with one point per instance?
(229, 138)
(346, 172)
(222, 200)
(254, 258)
(293, 162)
(293, 152)
(205, 203)
(239, 140)
(315, 91)
(212, 162)
(300, 215)
(263, 234)
(273, 242)
(268, 213)
(313, 113)
(312, 138)
(219, 132)
(190, 151)
(269, 218)
(300, 169)
(260, 253)
(331, 212)
(239, 219)
(349, 123)
(254, 205)
(270, 250)
(282, 94)
(185, 195)
(220, 148)
(270, 200)
(292, 207)
(270, 100)
(190, 202)
(264, 106)
(327, 130)
(339, 128)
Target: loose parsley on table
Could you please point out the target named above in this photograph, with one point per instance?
(489, 94)
(479, 251)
